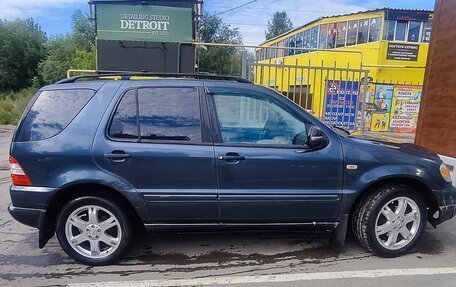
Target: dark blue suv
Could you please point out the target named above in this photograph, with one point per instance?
(95, 155)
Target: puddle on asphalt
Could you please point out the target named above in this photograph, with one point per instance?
(229, 248)
(165, 253)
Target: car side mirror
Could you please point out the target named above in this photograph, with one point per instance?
(317, 139)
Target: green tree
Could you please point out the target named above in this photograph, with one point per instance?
(22, 47)
(219, 60)
(73, 51)
(279, 24)
(83, 30)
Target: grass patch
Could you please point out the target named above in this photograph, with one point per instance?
(12, 104)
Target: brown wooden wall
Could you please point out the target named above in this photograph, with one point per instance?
(437, 121)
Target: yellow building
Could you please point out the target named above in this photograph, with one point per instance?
(332, 59)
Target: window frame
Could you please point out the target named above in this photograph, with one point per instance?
(356, 33)
(320, 34)
(405, 32)
(218, 139)
(345, 34)
(420, 28)
(206, 137)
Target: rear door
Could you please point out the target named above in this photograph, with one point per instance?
(157, 141)
(264, 175)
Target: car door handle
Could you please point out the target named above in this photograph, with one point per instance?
(117, 156)
(232, 157)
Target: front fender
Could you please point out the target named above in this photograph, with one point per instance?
(358, 181)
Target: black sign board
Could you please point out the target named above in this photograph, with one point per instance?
(407, 15)
(402, 52)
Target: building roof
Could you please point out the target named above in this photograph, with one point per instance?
(346, 14)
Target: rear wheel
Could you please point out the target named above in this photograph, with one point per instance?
(390, 221)
(93, 230)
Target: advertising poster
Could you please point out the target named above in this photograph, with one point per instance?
(405, 108)
(341, 103)
(381, 108)
(366, 97)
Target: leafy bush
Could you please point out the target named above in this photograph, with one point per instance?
(12, 105)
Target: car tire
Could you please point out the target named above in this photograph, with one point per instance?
(390, 220)
(93, 230)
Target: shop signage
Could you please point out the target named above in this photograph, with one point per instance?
(402, 52)
(407, 15)
(143, 23)
(341, 102)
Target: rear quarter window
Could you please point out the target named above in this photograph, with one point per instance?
(51, 113)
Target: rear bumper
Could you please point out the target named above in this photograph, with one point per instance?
(28, 216)
(446, 200)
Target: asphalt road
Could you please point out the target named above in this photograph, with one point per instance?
(234, 259)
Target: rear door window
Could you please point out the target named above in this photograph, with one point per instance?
(171, 114)
(125, 121)
(51, 113)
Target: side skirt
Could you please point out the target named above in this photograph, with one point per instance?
(326, 227)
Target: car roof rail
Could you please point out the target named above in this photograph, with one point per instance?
(128, 75)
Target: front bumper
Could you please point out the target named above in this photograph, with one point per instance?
(28, 216)
(446, 201)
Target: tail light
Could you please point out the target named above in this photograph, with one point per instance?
(17, 173)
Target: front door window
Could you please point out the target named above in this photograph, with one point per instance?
(246, 119)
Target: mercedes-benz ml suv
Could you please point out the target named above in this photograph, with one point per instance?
(93, 156)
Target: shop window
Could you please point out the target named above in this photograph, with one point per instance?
(414, 31)
(363, 31)
(280, 51)
(291, 44)
(427, 31)
(285, 51)
(332, 31)
(323, 36)
(314, 38)
(299, 42)
(352, 32)
(306, 42)
(390, 26)
(375, 25)
(341, 34)
(401, 29)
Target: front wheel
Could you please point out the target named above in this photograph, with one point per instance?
(93, 230)
(390, 221)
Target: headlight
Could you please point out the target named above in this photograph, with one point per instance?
(445, 172)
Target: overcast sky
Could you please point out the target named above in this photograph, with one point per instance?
(54, 15)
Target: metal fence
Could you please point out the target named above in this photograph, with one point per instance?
(331, 93)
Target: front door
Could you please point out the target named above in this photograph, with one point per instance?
(266, 173)
(155, 140)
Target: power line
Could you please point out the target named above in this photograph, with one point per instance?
(278, 9)
(247, 24)
(237, 7)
